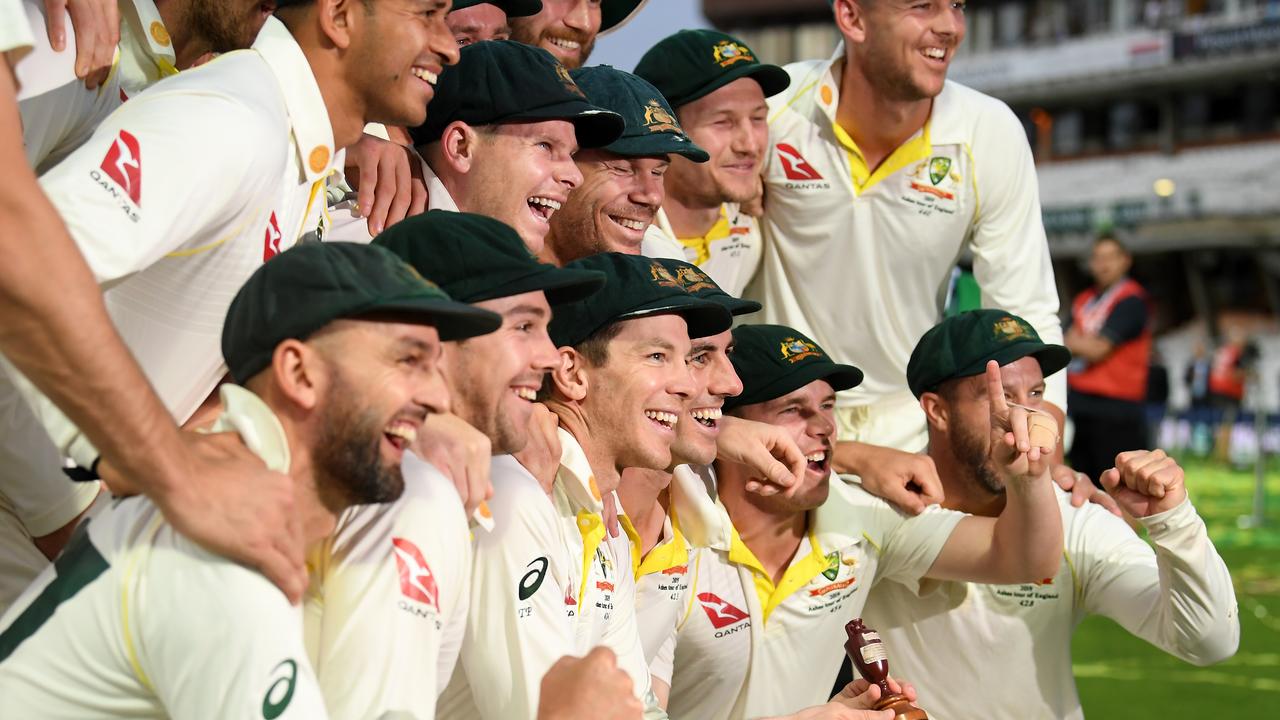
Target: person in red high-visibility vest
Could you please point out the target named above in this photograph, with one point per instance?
(1110, 338)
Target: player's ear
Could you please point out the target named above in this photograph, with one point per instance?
(851, 19)
(569, 379)
(458, 146)
(340, 20)
(299, 373)
(936, 411)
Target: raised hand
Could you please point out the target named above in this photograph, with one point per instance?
(1145, 482)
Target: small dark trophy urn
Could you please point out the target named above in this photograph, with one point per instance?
(866, 650)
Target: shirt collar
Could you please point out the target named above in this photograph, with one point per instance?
(834, 528)
(703, 520)
(575, 475)
(308, 116)
(249, 417)
(438, 197)
(156, 34)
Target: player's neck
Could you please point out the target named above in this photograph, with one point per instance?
(690, 220)
(345, 107)
(877, 124)
(316, 518)
(601, 458)
(644, 497)
(187, 48)
(960, 484)
(772, 533)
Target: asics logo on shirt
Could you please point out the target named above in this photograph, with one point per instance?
(417, 582)
(720, 613)
(794, 165)
(123, 164)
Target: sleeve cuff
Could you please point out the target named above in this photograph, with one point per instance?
(1172, 520)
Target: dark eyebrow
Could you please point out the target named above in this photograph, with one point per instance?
(528, 310)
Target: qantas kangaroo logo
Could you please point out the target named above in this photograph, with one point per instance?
(271, 241)
(720, 613)
(123, 164)
(794, 164)
(416, 579)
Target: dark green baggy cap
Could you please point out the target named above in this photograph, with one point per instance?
(694, 63)
(502, 81)
(773, 360)
(960, 346)
(635, 286)
(310, 285)
(650, 126)
(475, 257)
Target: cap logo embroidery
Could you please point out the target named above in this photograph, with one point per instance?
(663, 277)
(693, 280)
(938, 169)
(1008, 329)
(728, 52)
(794, 350)
(657, 119)
(565, 79)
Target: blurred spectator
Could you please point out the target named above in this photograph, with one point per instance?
(1109, 336)
(1230, 370)
(1197, 378)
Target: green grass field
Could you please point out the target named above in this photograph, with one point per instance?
(1124, 678)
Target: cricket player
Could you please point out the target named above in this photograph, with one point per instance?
(550, 579)
(56, 331)
(501, 139)
(568, 28)
(59, 113)
(766, 633)
(335, 349)
(168, 284)
(473, 21)
(621, 190)
(880, 173)
(1177, 596)
(386, 614)
(718, 89)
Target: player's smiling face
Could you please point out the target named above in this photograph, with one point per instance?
(478, 23)
(731, 125)
(381, 380)
(714, 380)
(615, 204)
(398, 49)
(906, 46)
(493, 379)
(635, 401)
(809, 415)
(565, 28)
(522, 174)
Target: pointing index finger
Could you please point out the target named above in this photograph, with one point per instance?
(995, 389)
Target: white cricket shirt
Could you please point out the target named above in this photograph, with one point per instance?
(16, 37)
(1006, 649)
(729, 252)
(58, 113)
(387, 607)
(662, 575)
(548, 581)
(750, 648)
(135, 620)
(180, 195)
(860, 261)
